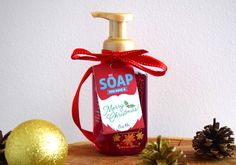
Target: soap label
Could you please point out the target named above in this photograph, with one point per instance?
(118, 97)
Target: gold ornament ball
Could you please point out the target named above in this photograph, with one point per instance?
(36, 142)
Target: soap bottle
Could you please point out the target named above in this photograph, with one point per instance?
(127, 142)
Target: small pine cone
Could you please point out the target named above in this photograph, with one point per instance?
(2, 147)
(214, 142)
(160, 153)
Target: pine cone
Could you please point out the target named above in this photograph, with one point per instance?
(2, 147)
(214, 142)
(160, 153)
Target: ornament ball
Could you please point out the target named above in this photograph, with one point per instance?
(36, 142)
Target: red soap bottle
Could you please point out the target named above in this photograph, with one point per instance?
(127, 142)
(119, 90)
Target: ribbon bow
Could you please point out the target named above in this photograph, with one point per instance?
(136, 58)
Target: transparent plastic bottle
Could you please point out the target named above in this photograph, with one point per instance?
(127, 142)
(109, 137)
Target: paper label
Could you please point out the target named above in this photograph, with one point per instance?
(118, 97)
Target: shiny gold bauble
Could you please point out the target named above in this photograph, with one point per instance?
(36, 142)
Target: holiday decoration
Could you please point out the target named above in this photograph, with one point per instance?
(214, 142)
(119, 90)
(160, 153)
(36, 142)
(3, 140)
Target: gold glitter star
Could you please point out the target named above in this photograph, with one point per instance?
(129, 139)
(116, 138)
(139, 136)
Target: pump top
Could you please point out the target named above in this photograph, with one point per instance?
(118, 38)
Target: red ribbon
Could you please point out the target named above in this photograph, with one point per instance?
(132, 57)
(136, 58)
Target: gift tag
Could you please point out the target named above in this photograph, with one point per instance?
(118, 97)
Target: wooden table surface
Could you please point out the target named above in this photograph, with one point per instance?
(83, 153)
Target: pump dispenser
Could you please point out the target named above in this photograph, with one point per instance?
(118, 39)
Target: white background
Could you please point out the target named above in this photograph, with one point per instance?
(195, 38)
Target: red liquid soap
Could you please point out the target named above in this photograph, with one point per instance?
(121, 143)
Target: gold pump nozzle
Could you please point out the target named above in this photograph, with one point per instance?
(118, 38)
